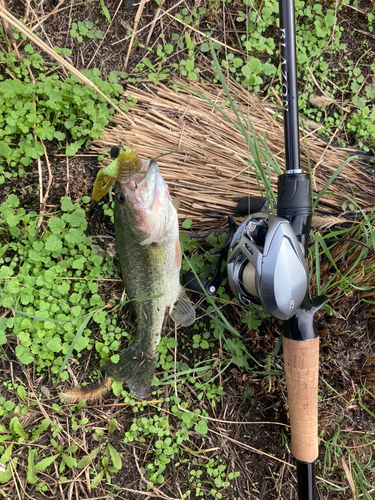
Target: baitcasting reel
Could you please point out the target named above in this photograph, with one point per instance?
(266, 265)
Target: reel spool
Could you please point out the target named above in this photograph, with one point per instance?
(266, 265)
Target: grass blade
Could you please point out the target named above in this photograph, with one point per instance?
(75, 340)
(331, 179)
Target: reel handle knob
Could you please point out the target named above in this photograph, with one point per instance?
(251, 205)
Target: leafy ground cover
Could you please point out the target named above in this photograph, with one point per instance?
(216, 424)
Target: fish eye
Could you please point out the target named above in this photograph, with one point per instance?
(120, 197)
(115, 151)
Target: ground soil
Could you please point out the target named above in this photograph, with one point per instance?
(248, 446)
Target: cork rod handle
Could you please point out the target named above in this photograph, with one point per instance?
(302, 374)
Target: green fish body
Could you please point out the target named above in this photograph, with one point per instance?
(147, 238)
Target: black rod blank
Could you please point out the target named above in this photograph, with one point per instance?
(289, 84)
(306, 480)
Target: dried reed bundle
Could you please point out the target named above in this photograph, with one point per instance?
(204, 160)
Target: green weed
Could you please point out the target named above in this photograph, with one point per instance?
(82, 29)
(211, 475)
(37, 106)
(344, 282)
(66, 457)
(191, 16)
(362, 465)
(169, 446)
(156, 74)
(318, 36)
(51, 284)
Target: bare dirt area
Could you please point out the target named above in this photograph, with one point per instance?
(245, 428)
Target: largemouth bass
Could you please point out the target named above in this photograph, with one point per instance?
(147, 238)
(148, 248)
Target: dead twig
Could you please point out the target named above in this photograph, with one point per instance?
(113, 405)
(105, 34)
(325, 94)
(8, 34)
(203, 34)
(147, 494)
(153, 24)
(157, 492)
(43, 199)
(349, 476)
(136, 22)
(67, 177)
(149, 24)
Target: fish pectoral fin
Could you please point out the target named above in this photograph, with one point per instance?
(183, 311)
(176, 203)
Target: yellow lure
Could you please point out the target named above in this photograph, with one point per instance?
(126, 162)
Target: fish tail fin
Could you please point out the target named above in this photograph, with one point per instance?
(135, 368)
(92, 392)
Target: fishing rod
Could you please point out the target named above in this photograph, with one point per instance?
(300, 338)
(266, 265)
(273, 269)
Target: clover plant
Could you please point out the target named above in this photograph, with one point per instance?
(50, 280)
(36, 105)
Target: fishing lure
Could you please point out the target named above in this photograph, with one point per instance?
(126, 162)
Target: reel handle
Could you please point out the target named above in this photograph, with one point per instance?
(252, 205)
(191, 283)
(211, 286)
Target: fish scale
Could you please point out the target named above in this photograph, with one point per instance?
(162, 277)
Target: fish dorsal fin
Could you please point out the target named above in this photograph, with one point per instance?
(176, 203)
(183, 311)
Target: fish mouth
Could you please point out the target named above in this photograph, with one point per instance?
(143, 203)
(143, 187)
